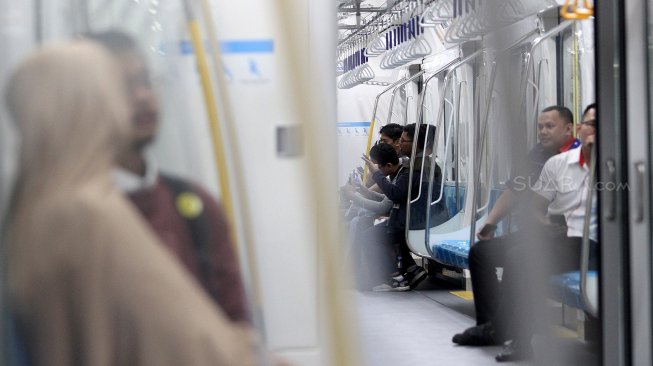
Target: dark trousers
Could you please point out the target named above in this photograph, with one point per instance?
(379, 255)
(484, 258)
(525, 285)
(402, 252)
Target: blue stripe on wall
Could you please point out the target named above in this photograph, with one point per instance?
(231, 47)
(252, 46)
(353, 124)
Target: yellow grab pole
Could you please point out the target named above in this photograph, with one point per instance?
(575, 77)
(212, 113)
(247, 242)
(367, 149)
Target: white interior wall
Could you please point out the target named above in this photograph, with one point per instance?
(277, 187)
(17, 38)
(354, 111)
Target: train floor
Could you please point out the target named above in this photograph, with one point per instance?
(415, 328)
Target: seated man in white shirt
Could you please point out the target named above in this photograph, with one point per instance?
(560, 199)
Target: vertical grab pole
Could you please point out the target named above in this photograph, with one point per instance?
(251, 274)
(372, 122)
(211, 110)
(479, 161)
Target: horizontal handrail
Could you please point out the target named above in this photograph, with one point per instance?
(419, 122)
(449, 68)
(529, 59)
(446, 154)
(396, 87)
(518, 43)
(447, 79)
(376, 101)
(373, 121)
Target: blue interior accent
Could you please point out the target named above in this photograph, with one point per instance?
(233, 46)
(566, 288)
(456, 252)
(452, 252)
(353, 124)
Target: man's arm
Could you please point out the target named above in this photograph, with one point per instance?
(540, 205)
(373, 193)
(397, 191)
(377, 207)
(501, 208)
(545, 190)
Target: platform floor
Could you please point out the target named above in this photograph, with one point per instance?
(415, 328)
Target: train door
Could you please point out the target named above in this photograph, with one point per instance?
(624, 35)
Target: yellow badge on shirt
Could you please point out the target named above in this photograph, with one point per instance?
(189, 205)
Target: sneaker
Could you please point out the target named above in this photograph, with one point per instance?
(415, 275)
(480, 335)
(396, 283)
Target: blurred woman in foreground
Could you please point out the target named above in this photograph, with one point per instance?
(89, 283)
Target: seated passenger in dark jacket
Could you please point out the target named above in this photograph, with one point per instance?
(425, 170)
(407, 274)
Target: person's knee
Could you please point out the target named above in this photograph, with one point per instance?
(479, 251)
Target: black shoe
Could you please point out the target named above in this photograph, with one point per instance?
(480, 335)
(415, 275)
(515, 351)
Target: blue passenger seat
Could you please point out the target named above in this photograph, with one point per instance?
(454, 250)
(566, 288)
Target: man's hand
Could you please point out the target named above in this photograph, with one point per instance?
(363, 190)
(555, 226)
(348, 191)
(370, 164)
(487, 232)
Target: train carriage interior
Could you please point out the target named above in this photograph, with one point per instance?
(358, 182)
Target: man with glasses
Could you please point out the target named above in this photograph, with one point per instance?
(391, 135)
(407, 273)
(560, 199)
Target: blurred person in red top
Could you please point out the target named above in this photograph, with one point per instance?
(89, 283)
(184, 215)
